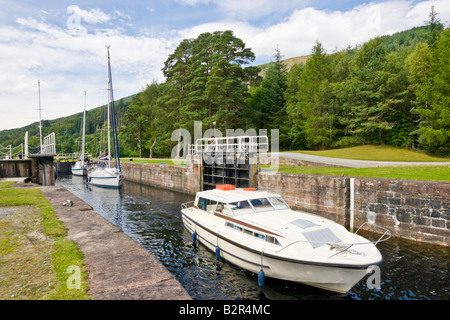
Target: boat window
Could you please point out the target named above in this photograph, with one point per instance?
(278, 203)
(229, 224)
(272, 240)
(258, 235)
(207, 205)
(241, 207)
(261, 204)
(223, 208)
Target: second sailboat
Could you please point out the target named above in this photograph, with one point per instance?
(108, 175)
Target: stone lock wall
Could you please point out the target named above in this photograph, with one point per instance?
(15, 168)
(179, 178)
(322, 195)
(415, 210)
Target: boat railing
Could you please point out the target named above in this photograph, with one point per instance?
(386, 232)
(342, 246)
(71, 156)
(187, 205)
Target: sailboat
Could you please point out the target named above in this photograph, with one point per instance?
(80, 168)
(106, 175)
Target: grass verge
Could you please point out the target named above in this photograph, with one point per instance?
(35, 261)
(160, 161)
(377, 153)
(423, 173)
(6, 184)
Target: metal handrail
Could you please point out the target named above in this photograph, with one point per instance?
(185, 205)
(386, 231)
(231, 144)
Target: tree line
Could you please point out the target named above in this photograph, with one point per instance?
(391, 90)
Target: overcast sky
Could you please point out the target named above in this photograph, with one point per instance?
(62, 43)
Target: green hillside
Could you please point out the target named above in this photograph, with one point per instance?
(67, 130)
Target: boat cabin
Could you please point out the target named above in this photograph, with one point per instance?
(235, 202)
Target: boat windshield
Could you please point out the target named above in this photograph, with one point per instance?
(257, 205)
(241, 207)
(278, 203)
(261, 204)
(207, 204)
(223, 208)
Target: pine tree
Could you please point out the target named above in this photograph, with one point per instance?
(205, 81)
(295, 117)
(315, 115)
(268, 103)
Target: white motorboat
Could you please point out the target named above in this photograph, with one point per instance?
(105, 175)
(257, 231)
(80, 167)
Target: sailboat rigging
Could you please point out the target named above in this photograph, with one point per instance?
(108, 176)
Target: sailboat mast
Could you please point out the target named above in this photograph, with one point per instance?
(108, 113)
(113, 114)
(40, 121)
(84, 129)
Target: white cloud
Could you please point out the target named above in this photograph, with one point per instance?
(416, 15)
(92, 16)
(122, 15)
(241, 30)
(67, 63)
(297, 33)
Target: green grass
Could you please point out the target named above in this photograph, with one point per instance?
(6, 184)
(64, 253)
(160, 161)
(377, 153)
(423, 173)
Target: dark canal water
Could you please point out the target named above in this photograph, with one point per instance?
(151, 216)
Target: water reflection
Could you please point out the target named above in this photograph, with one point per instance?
(152, 217)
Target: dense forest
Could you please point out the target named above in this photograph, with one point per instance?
(392, 90)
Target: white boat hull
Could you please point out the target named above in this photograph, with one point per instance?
(79, 172)
(79, 169)
(106, 178)
(328, 276)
